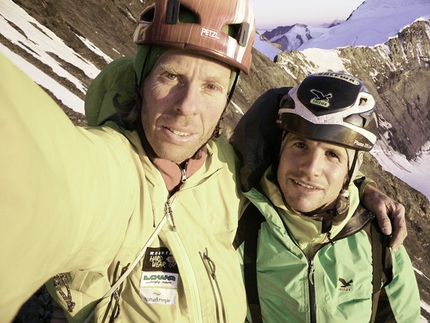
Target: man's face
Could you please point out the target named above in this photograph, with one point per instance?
(311, 174)
(183, 99)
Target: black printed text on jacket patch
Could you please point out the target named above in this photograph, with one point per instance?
(159, 281)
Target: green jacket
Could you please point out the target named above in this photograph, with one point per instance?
(85, 200)
(299, 272)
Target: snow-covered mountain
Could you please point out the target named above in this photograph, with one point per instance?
(372, 23)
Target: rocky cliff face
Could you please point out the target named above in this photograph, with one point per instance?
(397, 74)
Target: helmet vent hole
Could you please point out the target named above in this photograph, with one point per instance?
(188, 16)
(172, 14)
(148, 16)
(355, 119)
(238, 31)
(363, 101)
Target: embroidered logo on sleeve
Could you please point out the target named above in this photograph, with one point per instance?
(159, 281)
(346, 285)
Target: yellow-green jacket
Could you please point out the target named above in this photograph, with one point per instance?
(85, 201)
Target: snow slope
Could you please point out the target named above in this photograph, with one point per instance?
(374, 22)
(39, 41)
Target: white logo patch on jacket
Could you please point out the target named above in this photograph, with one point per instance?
(159, 281)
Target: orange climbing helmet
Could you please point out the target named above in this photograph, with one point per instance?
(221, 29)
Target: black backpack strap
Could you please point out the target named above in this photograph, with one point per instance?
(359, 220)
(382, 267)
(377, 270)
(249, 225)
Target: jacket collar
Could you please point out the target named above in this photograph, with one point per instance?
(175, 175)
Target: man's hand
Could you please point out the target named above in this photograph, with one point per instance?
(390, 214)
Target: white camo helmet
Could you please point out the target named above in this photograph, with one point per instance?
(331, 107)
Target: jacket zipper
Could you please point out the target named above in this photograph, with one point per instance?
(311, 284)
(311, 276)
(211, 270)
(194, 300)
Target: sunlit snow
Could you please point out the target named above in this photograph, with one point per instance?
(63, 94)
(24, 31)
(373, 23)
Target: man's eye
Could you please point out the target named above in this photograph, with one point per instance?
(301, 145)
(214, 87)
(172, 76)
(332, 154)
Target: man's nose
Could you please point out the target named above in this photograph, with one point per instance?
(188, 100)
(312, 163)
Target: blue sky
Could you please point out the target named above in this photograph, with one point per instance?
(273, 13)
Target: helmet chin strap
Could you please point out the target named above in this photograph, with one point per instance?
(336, 215)
(218, 129)
(233, 82)
(352, 170)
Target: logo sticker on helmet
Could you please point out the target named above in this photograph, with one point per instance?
(362, 144)
(321, 99)
(209, 33)
(339, 76)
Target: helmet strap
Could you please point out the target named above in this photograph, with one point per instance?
(218, 129)
(232, 86)
(339, 213)
(351, 171)
(233, 83)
